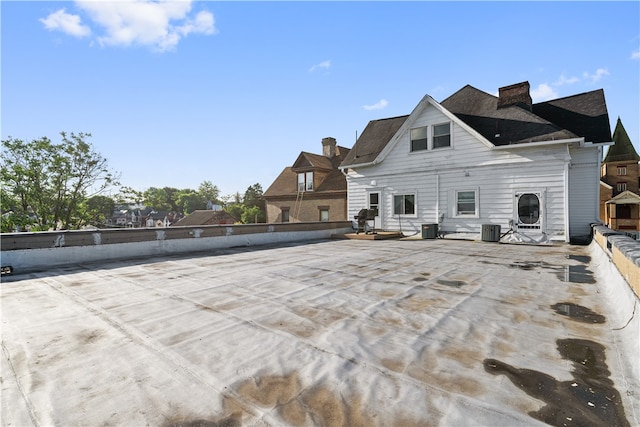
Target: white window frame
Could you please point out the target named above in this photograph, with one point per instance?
(322, 210)
(622, 170)
(476, 196)
(305, 181)
(415, 204)
(430, 137)
(426, 148)
(621, 187)
(433, 137)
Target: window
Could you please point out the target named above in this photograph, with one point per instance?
(623, 211)
(466, 203)
(404, 204)
(305, 181)
(285, 214)
(419, 139)
(442, 135)
(324, 213)
(622, 170)
(374, 202)
(423, 138)
(621, 186)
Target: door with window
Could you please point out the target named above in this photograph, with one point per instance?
(529, 212)
(374, 203)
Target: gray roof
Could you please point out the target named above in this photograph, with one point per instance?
(423, 332)
(583, 115)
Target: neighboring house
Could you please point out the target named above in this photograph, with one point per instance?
(313, 189)
(621, 172)
(152, 218)
(206, 217)
(478, 159)
(125, 216)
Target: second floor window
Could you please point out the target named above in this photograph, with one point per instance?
(305, 181)
(621, 186)
(622, 170)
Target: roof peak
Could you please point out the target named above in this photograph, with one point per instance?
(623, 148)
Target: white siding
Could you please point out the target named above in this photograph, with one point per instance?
(434, 175)
(584, 181)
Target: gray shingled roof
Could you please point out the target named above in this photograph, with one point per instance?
(373, 139)
(583, 115)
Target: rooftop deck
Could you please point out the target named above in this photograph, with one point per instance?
(330, 332)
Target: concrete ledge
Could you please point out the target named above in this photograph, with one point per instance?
(40, 251)
(623, 251)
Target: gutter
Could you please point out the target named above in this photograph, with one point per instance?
(359, 165)
(540, 143)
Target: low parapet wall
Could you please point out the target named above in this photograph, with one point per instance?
(39, 251)
(623, 251)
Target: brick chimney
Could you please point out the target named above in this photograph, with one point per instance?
(517, 94)
(329, 147)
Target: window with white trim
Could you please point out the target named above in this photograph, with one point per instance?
(404, 204)
(323, 213)
(621, 186)
(442, 135)
(622, 170)
(419, 137)
(430, 137)
(305, 181)
(466, 203)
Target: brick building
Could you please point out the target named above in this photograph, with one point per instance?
(312, 189)
(620, 176)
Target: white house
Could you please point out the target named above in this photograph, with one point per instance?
(477, 159)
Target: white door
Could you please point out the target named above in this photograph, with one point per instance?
(374, 203)
(529, 212)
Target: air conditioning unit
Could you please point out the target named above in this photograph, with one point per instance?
(490, 233)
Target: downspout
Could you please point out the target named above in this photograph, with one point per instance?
(438, 199)
(598, 192)
(567, 212)
(348, 192)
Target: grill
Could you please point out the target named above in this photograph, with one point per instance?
(363, 217)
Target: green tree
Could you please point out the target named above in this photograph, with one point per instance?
(189, 201)
(98, 209)
(209, 192)
(157, 198)
(254, 198)
(129, 195)
(251, 215)
(49, 182)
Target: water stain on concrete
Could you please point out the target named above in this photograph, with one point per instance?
(299, 406)
(451, 283)
(578, 313)
(589, 399)
(580, 258)
(231, 421)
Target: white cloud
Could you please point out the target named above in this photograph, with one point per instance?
(324, 64)
(597, 76)
(635, 54)
(159, 25)
(543, 92)
(65, 22)
(377, 106)
(566, 80)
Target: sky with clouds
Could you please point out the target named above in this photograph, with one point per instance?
(178, 92)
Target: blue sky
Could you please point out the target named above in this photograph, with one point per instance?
(176, 93)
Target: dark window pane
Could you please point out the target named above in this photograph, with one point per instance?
(529, 209)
